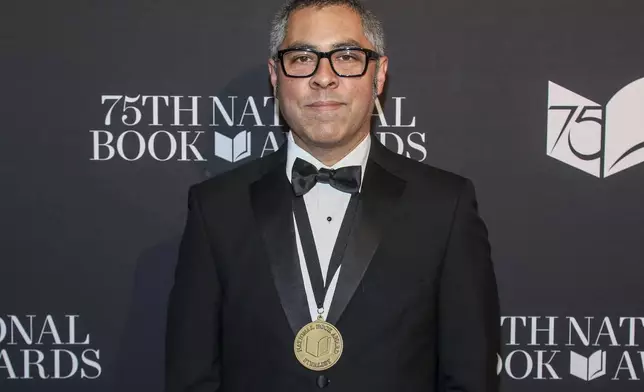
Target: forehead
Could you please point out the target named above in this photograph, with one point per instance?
(324, 28)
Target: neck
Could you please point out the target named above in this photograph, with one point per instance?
(329, 156)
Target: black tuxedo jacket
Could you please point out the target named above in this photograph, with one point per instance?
(416, 300)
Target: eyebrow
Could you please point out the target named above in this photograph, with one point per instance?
(306, 45)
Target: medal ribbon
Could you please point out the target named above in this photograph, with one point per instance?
(310, 250)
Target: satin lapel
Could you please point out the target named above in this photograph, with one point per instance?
(380, 192)
(271, 202)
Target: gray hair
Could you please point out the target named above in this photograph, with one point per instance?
(370, 24)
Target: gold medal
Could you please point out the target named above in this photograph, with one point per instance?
(318, 345)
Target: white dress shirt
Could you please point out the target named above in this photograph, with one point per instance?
(325, 206)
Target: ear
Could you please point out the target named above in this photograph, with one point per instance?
(272, 70)
(382, 73)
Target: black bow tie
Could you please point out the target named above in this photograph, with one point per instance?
(305, 175)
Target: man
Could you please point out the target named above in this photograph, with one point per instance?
(333, 262)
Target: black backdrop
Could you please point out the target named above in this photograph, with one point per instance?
(90, 242)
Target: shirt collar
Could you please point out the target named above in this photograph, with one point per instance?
(356, 157)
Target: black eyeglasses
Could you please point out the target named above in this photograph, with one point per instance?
(346, 62)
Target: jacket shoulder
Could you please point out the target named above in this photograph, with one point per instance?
(237, 179)
(424, 175)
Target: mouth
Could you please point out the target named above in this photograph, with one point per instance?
(325, 105)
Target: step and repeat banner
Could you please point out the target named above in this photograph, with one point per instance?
(112, 109)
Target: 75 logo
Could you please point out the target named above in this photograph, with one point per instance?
(600, 140)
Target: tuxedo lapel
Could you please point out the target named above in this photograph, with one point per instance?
(380, 192)
(271, 202)
(271, 199)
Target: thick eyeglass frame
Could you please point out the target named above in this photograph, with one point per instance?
(370, 55)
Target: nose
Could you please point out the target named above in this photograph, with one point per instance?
(324, 77)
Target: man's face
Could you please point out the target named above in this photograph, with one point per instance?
(326, 110)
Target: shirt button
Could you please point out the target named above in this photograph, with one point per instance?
(328, 219)
(322, 381)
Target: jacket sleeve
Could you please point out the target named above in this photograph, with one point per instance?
(468, 308)
(193, 324)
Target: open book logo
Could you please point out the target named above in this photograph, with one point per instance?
(232, 149)
(600, 140)
(318, 347)
(588, 368)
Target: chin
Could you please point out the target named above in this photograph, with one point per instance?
(326, 139)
